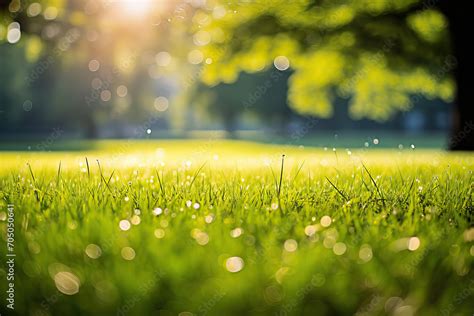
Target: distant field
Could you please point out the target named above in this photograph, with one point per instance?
(217, 227)
(352, 139)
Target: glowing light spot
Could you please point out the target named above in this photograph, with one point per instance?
(208, 61)
(329, 241)
(413, 243)
(126, 199)
(281, 63)
(27, 105)
(163, 59)
(274, 206)
(50, 13)
(310, 230)
(376, 141)
(157, 211)
(134, 8)
(13, 33)
(148, 131)
(365, 253)
(281, 273)
(135, 220)
(67, 283)
(124, 225)
(96, 83)
(106, 95)
(94, 65)
(339, 248)
(209, 218)
(128, 253)
(234, 264)
(189, 203)
(161, 104)
(93, 251)
(195, 57)
(219, 12)
(202, 38)
(469, 235)
(34, 9)
(196, 206)
(236, 232)
(326, 221)
(159, 233)
(122, 91)
(201, 238)
(412, 146)
(290, 245)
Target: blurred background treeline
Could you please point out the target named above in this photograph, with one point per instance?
(285, 70)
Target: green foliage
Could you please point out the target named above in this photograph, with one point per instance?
(376, 53)
(375, 232)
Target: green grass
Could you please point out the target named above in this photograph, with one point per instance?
(372, 232)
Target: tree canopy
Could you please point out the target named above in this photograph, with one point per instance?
(377, 54)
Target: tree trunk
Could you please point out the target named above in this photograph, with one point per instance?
(90, 128)
(462, 136)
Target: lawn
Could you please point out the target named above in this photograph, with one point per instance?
(217, 227)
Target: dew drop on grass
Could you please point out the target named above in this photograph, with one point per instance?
(196, 206)
(329, 241)
(290, 245)
(157, 211)
(128, 253)
(124, 225)
(339, 248)
(413, 243)
(310, 230)
(202, 238)
(209, 218)
(365, 253)
(326, 221)
(234, 264)
(72, 225)
(236, 232)
(135, 220)
(159, 233)
(93, 251)
(67, 283)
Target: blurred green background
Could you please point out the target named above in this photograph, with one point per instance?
(300, 72)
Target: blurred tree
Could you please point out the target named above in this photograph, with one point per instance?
(261, 95)
(382, 56)
(96, 62)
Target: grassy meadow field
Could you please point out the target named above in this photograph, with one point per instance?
(233, 228)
